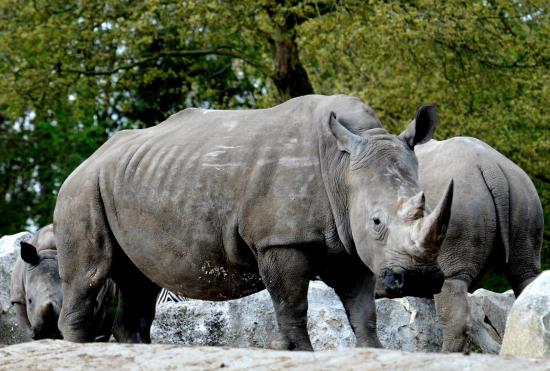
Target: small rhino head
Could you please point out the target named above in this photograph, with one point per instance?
(43, 292)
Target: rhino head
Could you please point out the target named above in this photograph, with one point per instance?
(43, 292)
(394, 234)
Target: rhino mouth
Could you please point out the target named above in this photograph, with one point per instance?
(397, 282)
(49, 332)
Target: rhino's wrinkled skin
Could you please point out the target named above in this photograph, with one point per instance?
(37, 294)
(497, 223)
(220, 204)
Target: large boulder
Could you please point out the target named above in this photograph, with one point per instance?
(62, 355)
(405, 323)
(249, 322)
(492, 309)
(10, 332)
(487, 321)
(408, 323)
(528, 326)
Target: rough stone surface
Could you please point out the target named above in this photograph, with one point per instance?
(10, 332)
(60, 355)
(406, 324)
(487, 322)
(250, 321)
(528, 326)
(492, 308)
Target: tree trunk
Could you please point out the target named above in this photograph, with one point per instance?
(289, 77)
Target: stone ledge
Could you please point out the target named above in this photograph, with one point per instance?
(62, 355)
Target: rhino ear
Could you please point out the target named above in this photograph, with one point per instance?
(29, 254)
(422, 128)
(347, 141)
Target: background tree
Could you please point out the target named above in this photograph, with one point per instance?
(75, 72)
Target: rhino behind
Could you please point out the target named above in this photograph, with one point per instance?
(497, 224)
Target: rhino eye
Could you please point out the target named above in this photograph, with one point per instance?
(378, 228)
(377, 225)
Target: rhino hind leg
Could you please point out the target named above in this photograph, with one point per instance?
(286, 272)
(520, 283)
(84, 265)
(524, 264)
(452, 312)
(137, 297)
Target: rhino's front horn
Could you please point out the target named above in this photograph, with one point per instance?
(431, 230)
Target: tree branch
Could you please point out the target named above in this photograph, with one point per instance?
(221, 51)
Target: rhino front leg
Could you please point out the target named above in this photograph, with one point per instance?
(286, 273)
(355, 286)
(452, 312)
(358, 300)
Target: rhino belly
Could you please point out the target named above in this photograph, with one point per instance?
(188, 258)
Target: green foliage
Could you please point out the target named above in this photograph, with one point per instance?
(484, 63)
(75, 72)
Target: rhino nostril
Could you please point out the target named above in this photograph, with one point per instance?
(394, 280)
(398, 280)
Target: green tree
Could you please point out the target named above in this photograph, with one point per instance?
(75, 72)
(485, 63)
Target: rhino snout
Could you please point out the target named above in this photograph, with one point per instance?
(45, 326)
(398, 282)
(394, 280)
(46, 331)
(49, 311)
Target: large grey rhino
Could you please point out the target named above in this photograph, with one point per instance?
(36, 291)
(496, 222)
(217, 205)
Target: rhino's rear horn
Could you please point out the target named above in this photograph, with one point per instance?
(413, 208)
(433, 227)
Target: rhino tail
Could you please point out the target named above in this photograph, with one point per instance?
(498, 186)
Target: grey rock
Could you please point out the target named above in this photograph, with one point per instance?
(528, 326)
(250, 321)
(62, 355)
(405, 323)
(493, 308)
(10, 332)
(487, 321)
(408, 324)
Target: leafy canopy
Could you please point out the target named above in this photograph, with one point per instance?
(73, 73)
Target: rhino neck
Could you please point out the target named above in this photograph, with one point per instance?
(334, 165)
